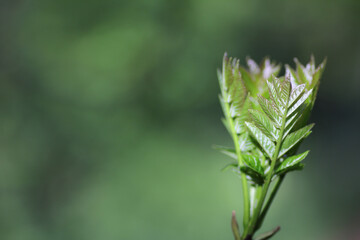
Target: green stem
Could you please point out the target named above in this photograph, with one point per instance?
(240, 163)
(253, 222)
(251, 226)
(269, 201)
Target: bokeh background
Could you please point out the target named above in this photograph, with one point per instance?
(109, 109)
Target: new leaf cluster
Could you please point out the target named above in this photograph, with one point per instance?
(257, 104)
(266, 115)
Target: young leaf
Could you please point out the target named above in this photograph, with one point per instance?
(293, 138)
(248, 82)
(295, 94)
(289, 127)
(269, 109)
(227, 78)
(245, 143)
(274, 95)
(264, 124)
(253, 176)
(285, 91)
(237, 94)
(239, 122)
(254, 163)
(293, 121)
(262, 139)
(296, 167)
(303, 73)
(291, 161)
(293, 77)
(239, 125)
(299, 102)
(318, 73)
(235, 109)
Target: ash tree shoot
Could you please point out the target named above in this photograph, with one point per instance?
(267, 117)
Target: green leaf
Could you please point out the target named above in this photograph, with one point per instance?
(318, 73)
(239, 125)
(262, 139)
(239, 122)
(245, 143)
(268, 235)
(227, 78)
(263, 122)
(296, 167)
(292, 121)
(295, 94)
(290, 124)
(254, 163)
(291, 161)
(293, 138)
(293, 76)
(274, 95)
(253, 176)
(237, 94)
(311, 64)
(302, 72)
(249, 83)
(269, 109)
(285, 91)
(227, 151)
(299, 102)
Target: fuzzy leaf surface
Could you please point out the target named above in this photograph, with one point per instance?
(274, 95)
(245, 143)
(262, 139)
(293, 138)
(264, 124)
(253, 176)
(291, 162)
(285, 90)
(269, 109)
(298, 103)
(296, 167)
(254, 163)
(295, 94)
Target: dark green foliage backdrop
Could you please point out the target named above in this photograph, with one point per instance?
(108, 111)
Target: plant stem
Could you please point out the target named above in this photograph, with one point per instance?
(269, 201)
(244, 183)
(240, 163)
(251, 226)
(253, 222)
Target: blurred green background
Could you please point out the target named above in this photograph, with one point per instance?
(108, 110)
